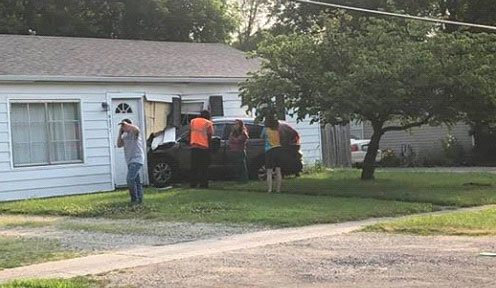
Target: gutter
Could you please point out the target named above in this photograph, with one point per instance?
(119, 79)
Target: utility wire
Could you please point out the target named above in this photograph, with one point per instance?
(426, 19)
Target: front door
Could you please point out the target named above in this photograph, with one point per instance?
(122, 109)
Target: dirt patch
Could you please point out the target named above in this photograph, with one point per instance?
(350, 260)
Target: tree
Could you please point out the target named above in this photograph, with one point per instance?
(252, 17)
(171, 20)
(293, 17)
(385, 72)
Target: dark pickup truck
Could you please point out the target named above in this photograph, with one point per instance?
(171, 161)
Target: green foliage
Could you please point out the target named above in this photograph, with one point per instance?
(453, 150)
(171, 20)
(389, 158)
(294, 17)
(378, 71)
(459, 223)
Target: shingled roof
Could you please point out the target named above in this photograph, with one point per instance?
(41, 56)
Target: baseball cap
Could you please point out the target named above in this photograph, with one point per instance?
(128, 121)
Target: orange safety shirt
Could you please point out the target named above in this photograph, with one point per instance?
(201, 129)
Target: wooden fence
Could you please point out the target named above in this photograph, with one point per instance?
(336, 146)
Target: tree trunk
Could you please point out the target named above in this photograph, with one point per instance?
(369, 161)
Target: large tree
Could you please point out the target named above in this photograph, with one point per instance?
(253, 19)
(171, 20)
(385, 72)
(293, 17)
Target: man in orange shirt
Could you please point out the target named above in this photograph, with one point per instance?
(201, 131)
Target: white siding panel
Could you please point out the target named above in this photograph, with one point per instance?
(4, 126)
(97, 143)
(96, 134)
(5, 166)
(3, 107)
(54, 182)
(3, 117)
(94, 115)
(310, 139)
(97, 152)
(57, 191)
(97, 124)
(98, 160)
(4, 157)
(93, 107)
(4, 147)
(425, 140)
(62, 172)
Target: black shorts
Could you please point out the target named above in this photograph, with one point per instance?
(273, 158)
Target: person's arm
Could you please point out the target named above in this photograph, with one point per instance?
(135, 130)
(120, 142)
(210, 131)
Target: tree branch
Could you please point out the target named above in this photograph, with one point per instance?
(407, 126)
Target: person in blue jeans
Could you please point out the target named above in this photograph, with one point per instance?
(130, 138)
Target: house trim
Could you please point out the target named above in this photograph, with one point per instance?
(119, 79)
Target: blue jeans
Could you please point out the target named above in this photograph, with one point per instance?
(134, 182)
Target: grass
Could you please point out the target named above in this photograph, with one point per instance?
(78, 282)
(477, 223)
(15, 251)
(445, 189)
(219, 206)
(14, 221)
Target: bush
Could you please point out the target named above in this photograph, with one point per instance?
(453, 150)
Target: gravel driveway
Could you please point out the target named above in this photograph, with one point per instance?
(349, 260)
(84, 235)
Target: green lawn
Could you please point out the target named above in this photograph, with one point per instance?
(456, 223)
(446, 189)
(219, 206)
(79, 282)
(15, 251)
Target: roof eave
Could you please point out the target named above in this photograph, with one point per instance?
(119, 79)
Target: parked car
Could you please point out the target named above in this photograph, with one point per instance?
(359, 149)
(170, 161)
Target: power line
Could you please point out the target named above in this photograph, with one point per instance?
(426, 19)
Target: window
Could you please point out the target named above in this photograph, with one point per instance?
(219, 130)
(46, 133)
(254, 131)
(123, 108)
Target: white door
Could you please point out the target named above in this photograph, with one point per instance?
(122, 109)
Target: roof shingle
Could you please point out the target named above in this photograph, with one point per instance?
(90, 57)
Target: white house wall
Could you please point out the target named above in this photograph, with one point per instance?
(95, 174)
(42, 181)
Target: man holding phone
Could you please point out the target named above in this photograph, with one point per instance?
(130, 138)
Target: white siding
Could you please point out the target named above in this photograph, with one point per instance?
(425, 140)
(42, 181)
(310, 139)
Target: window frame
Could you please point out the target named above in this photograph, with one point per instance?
(49, 164)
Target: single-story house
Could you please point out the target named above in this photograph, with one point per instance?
(61, 99)
(423, 144)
